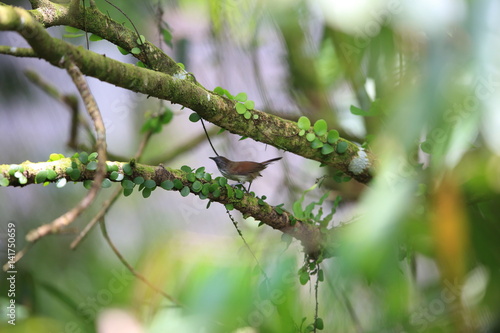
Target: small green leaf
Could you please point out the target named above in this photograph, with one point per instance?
(51, 174)
(135, 50)
(191, 177)
(194, 117)
(333, 136)
(167, 185)
(127, 169)
(241, 97)
(216, 193)
(141, 64)
(302, 132)
(219, 91)
(197, 186)
(93, 156)
(92, 165)
(114, 175)
(222, 181)
(255, 116)
(240, 108)
(238, 193)
(141, 40)
(4, 181)
(178, 184)
(138, 180)
(357, 111)
(250, 105)
(327, 149)
(185, 191)
(128, 184)
(205, 190)
(128, 191)
(146, 192)
(320, 127)
(303, 277)
(95, 38)
(87, 184)
(318, 323)
(151, 184)
(122, 50)
(75, 174)
(186, 169)
(310, 137)
(83, 157)
(316, 144)
(71, 30)
(54, 157)
(200, 173)
(342, 147)
(321, 275)
(304, 123)
(41, 177)
(229, 206)
(106, 183)
(247, 115)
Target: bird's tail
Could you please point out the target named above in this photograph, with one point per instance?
(271, 160)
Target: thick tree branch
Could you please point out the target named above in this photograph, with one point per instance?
(179, 88)
(308, 234)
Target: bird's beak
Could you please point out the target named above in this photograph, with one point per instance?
(212, 158)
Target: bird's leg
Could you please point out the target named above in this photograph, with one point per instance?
(249, 184)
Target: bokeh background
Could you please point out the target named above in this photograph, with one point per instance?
(417, 249)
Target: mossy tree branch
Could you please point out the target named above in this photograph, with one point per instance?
(178, 87)
(309, 235)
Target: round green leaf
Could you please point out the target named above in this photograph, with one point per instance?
(247, 115)
(304, 277)
(93, 156)
(240, 108)
(186, 169)
(75, 174)
(138, 180)
(216, 193)
(127, 184)
(320, 127)
(178, 184)
(255, 116)
(185, 191)
(106, 183)
(250, 105)
(310, 137)
(94, 38)
(229, 206)
(83, 157)
(51, 174)
(41, 177)
(167, 185)
(241, 97)
(151, 184)
(302, 132)
(222, 181)
(114, 175)
(146, 192)
(92, 165)
(194, 117)
(326, 149)
(342, 147)
(87, 184)
(316, 144)
(135, 50)
(4, 182)
(128, 191)
(219, 91)
(205, 189)
(319, 324)
(333, 136)
(127, 169)
(197, 186)
(304, 123)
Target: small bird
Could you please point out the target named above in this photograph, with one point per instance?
(244, 171)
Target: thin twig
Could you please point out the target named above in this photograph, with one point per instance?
(208, 137)
(316, 287)
(247, 246)
(95, 114)
(131, 269)
(104, 209)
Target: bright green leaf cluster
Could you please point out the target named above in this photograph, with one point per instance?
(320, 137)
(306, 214)
(243, 105)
